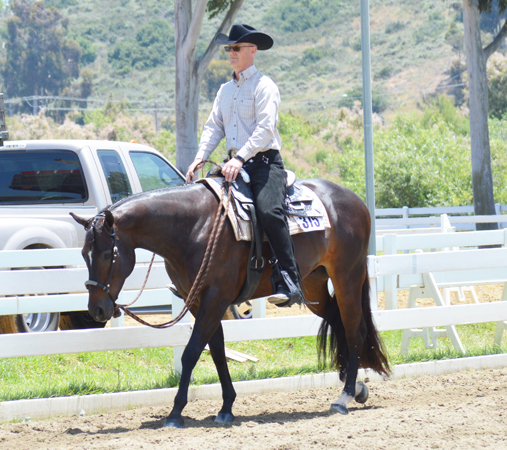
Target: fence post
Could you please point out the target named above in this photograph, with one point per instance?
(390, 282)
(259, 308)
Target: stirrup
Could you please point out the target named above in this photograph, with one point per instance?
(287, 297)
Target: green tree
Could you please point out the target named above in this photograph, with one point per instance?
(39, 58)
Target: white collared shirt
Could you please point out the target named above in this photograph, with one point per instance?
(245, 112)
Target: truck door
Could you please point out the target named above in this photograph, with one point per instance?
(116, 176)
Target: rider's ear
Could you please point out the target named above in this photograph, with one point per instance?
(109, 221)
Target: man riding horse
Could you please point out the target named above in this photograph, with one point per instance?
(245, 112)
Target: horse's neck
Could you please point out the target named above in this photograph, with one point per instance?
(169, 224)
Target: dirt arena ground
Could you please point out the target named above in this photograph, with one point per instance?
(457, 411)
(462, 410)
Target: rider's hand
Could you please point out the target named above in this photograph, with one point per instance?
(196, 165)
(231, 169)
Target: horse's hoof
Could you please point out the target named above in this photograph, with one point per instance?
(173, 423)
(363, 395)
(336, 407)
(224, 418)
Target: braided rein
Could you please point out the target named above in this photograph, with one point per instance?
(216, 231)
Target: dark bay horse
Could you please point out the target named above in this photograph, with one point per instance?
(175, 223)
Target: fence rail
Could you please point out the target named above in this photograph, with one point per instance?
(255, 329)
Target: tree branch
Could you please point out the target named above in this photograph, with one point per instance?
(194, 29)
(497, 41)
(224, 26)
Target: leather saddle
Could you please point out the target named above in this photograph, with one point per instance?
(300, 202)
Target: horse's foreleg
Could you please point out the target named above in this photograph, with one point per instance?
(217, 350)
(207, 322)
(189, 359)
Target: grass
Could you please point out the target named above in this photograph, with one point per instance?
(100, 372)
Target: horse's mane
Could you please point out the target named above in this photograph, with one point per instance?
(142, 195)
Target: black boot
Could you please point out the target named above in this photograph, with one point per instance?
(287, 292)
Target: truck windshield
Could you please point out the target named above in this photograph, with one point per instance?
(53, 176)
(154, 172)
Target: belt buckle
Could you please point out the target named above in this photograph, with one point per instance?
(265, 159)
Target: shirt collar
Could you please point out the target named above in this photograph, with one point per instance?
(245, 75)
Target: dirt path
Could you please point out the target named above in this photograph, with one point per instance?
(459, 411)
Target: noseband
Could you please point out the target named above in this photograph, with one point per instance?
(90, 283)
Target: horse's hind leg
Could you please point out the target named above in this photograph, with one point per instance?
(217, 350)
(348, 291)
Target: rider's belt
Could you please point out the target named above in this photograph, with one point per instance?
(262, 156)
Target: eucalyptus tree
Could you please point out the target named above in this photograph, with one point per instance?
(476, 58)
(190, 69)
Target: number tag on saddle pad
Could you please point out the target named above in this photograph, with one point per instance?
(310, 223)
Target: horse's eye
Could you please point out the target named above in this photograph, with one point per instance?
(107, 255)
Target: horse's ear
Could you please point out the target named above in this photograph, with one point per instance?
(109, 221)
(80, 220)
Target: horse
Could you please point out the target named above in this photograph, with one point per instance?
(176, 223)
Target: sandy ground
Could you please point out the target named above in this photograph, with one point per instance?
(458, 411)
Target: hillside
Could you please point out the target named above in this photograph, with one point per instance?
(316, 59)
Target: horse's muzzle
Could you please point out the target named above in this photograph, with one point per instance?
(102, 312)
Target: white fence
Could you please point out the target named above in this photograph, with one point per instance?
(399, 218)
(421, 266)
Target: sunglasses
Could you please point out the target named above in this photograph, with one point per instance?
(235, 48)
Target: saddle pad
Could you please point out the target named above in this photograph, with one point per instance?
(242, 228)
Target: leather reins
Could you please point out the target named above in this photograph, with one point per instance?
(201, 275)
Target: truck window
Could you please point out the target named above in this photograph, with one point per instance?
(116, 176)
(154, 172)
(53, 176)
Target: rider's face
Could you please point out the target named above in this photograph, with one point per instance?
(241, 56)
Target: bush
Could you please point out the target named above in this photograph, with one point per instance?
(217, 74)
(379, 100)
(417, 163)
(312, 55)
(301, 15)
(497, 88)
(393, 27)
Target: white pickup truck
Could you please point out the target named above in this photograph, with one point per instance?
(42, 181)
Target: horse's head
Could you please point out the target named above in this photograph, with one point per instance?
(109, 260)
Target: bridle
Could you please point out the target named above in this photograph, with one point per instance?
(201, 275)
(91, 224)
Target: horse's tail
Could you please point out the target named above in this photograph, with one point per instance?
(373, 353)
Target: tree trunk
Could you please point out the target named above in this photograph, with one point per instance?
(190, 71)
(187, 111)
(482, 179)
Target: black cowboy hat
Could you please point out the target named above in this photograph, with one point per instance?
(245, 33)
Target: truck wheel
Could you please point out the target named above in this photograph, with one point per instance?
(243, 311)
(26, 323)
(79, 320)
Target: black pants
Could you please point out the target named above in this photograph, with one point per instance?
(268, 181)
